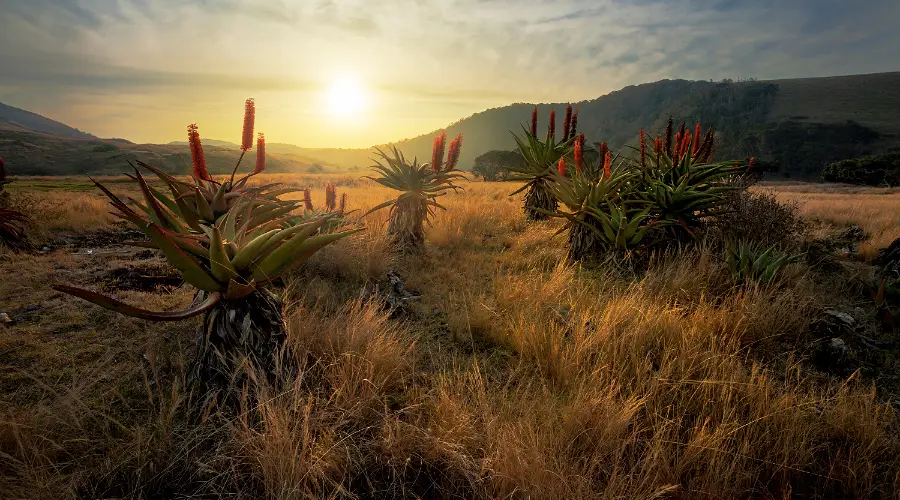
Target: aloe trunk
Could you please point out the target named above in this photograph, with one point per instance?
(407, 224)
(539, 196)
(237, 337)
(583, 242)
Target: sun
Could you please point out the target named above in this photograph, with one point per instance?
(345, 97)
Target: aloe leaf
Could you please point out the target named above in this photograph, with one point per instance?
(129, 310)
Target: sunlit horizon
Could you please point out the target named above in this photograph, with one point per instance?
(144, 70)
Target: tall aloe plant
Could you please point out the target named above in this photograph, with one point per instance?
(541, 158)
(420, 185)
(230, 241)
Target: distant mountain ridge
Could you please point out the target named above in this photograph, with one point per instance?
(801, 123)
(19, 119)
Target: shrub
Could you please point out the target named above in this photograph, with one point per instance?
(758, 217)
(494, 165)
(869, 170)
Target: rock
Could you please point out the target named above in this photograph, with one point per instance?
(5, 319)
(46, 249)
(889, 257)
(835, 356)
(32, 308)
(833, 323)
(393, 295)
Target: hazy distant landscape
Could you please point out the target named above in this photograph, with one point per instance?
(833, 118)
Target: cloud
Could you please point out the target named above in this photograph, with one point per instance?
(456, 56)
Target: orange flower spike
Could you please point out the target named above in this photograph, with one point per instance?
(643, 149)
(307, 199)
(197, 158)
(607, 164)
(574, 123)
(534, 122)
(697, 134)
(657, 145)
(330, 197)
(343, 206)
(249, 119)
(567, 122)
(561, 167)
(453, 153)
(579, 153)
(437, 152)
(551, 127)
(260, 154)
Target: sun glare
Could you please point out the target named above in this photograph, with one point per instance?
(345, 96)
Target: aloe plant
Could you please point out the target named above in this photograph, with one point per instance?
(756, 263)
(541, 159)
(420, 186)
(230, 241)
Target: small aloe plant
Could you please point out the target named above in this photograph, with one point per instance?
(541, 159)
(230, 241)
(754, 263)
(420, 185)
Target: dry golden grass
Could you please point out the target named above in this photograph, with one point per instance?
(515, 375)
(873, 209)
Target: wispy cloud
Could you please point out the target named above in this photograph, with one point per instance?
(428, 61)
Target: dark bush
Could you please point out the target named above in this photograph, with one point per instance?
(758, 217)
(881, 170)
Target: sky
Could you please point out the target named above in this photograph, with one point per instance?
(353, 73)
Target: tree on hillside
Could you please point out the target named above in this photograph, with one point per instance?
(492, 166)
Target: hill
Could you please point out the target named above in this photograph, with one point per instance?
(803, 124)
(18, 119)
(27, 152)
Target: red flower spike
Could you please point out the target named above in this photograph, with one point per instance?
(249, 119)
(567, 122)
(752, 161)
(607, 164)
(657, 145)
(676, 153)
(453, 153)
(561, 167)
(307, 199)
(697, 133)
(534, 122)
(260, 154)
(551, 128)
(330, 197)
(197, 158)
(668, 143)
(685, 143)
(343, 205)
(643, 149)
(437, 152)
(574, 124)
(579, 153)
(2, 170)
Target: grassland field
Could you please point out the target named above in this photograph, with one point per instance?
(515, 374)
